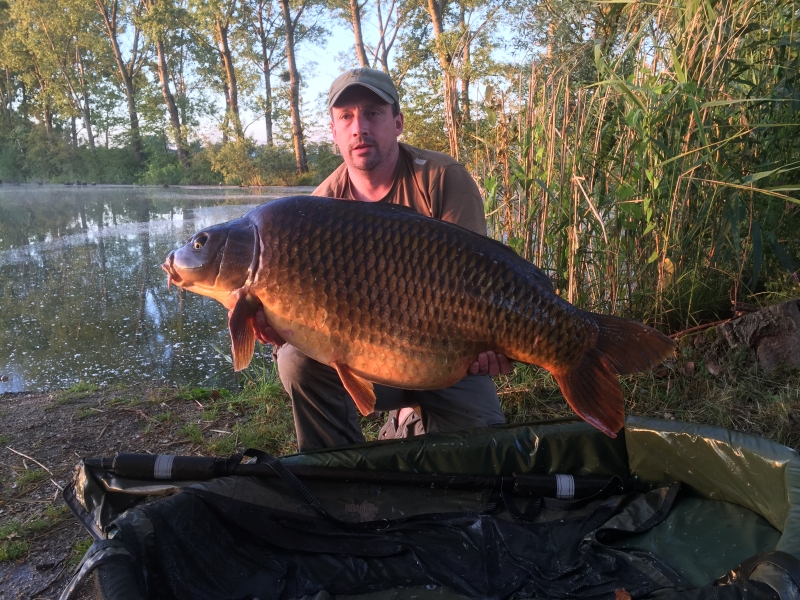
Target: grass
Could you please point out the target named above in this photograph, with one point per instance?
(75, 392)
(269, 424)
(29, 476)
(741, 397)
(192, 433)
(15, 536)
(79, 549)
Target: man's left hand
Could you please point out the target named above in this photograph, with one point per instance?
(490, 363)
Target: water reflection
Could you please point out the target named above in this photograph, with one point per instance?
(82, 295)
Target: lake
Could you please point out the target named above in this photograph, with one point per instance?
(83, 297)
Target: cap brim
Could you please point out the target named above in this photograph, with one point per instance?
(382, 95)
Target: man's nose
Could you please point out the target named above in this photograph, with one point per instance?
(361, 124)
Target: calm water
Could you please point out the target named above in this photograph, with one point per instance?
(82, 293)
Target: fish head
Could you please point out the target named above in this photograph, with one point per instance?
(216, 262)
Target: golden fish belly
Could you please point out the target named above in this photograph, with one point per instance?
(376, 356)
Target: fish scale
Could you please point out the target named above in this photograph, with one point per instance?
(389, 296)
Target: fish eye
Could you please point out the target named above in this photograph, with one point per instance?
(200, 241)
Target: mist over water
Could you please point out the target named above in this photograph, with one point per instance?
(82, 293)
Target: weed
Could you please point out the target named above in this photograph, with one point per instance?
(192, 432)
(11, 549)
(79, 549)
(75, 392)
(165, 417)
(85, 411)
(30, 476)
(124, 401)
(4, 440)
(15, 537)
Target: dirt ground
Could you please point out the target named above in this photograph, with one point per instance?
(42, 438)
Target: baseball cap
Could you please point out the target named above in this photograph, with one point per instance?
(372, 79)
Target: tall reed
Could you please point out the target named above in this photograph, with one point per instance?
(667, 188)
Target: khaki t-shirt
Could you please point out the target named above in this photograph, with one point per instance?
(432, 183)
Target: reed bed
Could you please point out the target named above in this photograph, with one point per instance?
(667, 189)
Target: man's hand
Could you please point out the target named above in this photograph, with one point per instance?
(490, 363)
(264, 333)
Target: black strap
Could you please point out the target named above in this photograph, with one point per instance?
(289, 479)
(529, 515)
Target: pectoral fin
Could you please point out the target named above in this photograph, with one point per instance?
(243, 334)
(359, 388)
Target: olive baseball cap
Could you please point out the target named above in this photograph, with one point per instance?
(374, 80)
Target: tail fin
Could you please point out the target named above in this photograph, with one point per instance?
(592, 388)
(631, 346)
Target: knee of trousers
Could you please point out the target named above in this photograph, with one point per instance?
(292, 365)
(299, 372)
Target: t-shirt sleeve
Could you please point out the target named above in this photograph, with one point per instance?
(334, 184)
(324, 190)
(461, 202)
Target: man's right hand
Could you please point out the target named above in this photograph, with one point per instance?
(264, 333)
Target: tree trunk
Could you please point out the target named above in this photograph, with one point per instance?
(87, 115)
(268, 100)
(227, 63)
(87, 121)
(74, 133)
(262, 29)
(435, 10)
(226, 120)
(48, 118)
(172, 108)
(294, 89)
(126, 76)
(465, 77)
(355, 15)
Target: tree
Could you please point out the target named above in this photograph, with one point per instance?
(452, 40)
(115, 19)
(290, 23)
(265, 19)
(160, 15)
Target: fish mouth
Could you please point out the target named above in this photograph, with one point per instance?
(172, 276)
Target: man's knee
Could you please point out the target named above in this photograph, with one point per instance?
(293, 366)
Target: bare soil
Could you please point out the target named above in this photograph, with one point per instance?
(42, 540)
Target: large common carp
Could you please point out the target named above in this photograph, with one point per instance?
(386, 295)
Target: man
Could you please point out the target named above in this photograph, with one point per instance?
(365, 122)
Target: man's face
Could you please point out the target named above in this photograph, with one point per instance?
(364, 129)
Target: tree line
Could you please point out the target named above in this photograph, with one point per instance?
(138, 73)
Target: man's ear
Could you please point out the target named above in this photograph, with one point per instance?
(398, 124)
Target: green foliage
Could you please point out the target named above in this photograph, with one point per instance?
(658, 180)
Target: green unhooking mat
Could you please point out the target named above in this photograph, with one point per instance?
(551, 510)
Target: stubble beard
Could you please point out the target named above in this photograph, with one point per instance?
(369, 162)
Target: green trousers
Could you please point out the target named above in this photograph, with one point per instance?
(325, 415)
